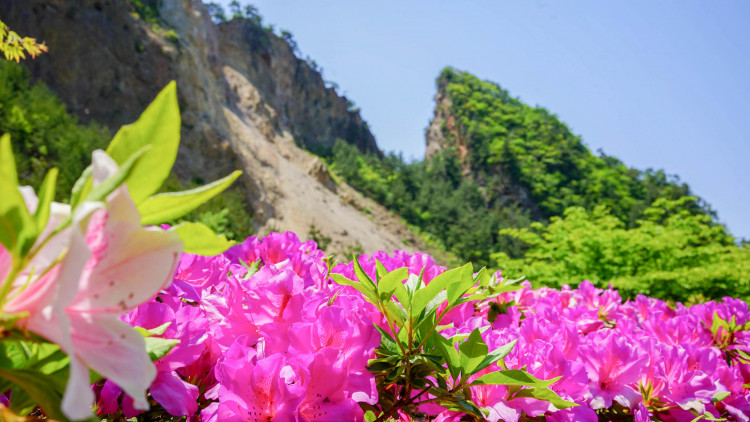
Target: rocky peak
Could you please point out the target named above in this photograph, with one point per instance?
(314, 114)
(443, 131)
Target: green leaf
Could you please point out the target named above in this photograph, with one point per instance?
(361, 274)
(45, 390)
(158, 127)
(46, 195)
(370, 416)
(446, 348)
(170, 206)
(423, 296)
(82, 187)
(18, 230)
(386, 340)
(391, 283)
(547, 395)
(456, 290)
(512, 377)
(7, 162)
(367, 290)
(157, 331)
(472, 352)
(158, 347)
(720, 396)
(201, 240)
(470, 408)
(395, 313)
(496, 355)
(380, 270)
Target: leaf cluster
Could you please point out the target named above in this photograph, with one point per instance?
(670, 254)
(15, 47)
(417, 363)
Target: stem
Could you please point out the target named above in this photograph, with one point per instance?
(403, 402)
(15, 269)
(433, 329)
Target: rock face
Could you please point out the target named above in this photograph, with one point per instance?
(246, 102)
(313, 113)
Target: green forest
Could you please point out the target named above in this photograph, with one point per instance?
(515, 189)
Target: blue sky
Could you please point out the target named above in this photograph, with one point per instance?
(661, 84)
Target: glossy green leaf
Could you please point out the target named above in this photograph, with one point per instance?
(380, 270)
(361, 274)
(512, 377)
(170, 206)
(457, 289)
(367, 290)
(157, 331)
(392, 283)
(18, 229)
(720, 396)
(159, 127)
(470, 408)
(201, 240)
(386, 340)
(547, 395)
(446, 348)
(158, 347)
(423, 296)
(46, 195)
(496, 355)
(472, 352)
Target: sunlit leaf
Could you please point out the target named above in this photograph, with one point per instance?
(199, 239)
(158, 127)
(512, 377)
(170, 206)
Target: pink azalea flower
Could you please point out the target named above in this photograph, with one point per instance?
(613, 366)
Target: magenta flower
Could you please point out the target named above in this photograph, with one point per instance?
(614, 366)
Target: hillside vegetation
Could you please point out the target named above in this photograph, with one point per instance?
(503, 169)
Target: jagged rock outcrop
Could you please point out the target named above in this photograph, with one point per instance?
(246, 102)
(313, 113)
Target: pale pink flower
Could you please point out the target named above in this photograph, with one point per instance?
(112, 265)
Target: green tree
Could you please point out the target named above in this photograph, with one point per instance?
(670, 254)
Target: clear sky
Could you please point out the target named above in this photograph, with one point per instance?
(657, 84)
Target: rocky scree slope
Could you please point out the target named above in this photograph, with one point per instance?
(247, 102)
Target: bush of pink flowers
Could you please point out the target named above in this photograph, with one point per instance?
(265, 335)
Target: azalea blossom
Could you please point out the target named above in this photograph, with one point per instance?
(110, 265)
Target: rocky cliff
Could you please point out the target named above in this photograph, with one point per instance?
(247, 102)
